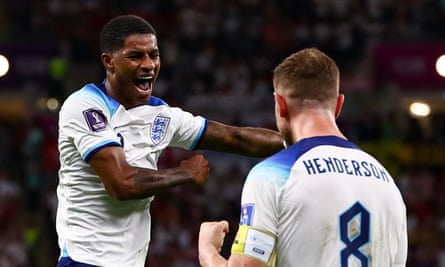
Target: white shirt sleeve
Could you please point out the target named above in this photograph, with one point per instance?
(189, 129)
(84, 120)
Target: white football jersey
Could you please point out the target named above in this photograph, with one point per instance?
(322, 202)
(92, 226)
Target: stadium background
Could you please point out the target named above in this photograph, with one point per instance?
(217, 58)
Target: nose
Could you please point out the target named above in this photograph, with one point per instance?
(148, 63)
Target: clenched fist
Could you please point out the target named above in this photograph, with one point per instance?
(198, 167)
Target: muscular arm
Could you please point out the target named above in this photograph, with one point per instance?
(248, 141)
(123, 181)
(211, 239)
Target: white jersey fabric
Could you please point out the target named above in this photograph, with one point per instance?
(92, 226)
(322, 202)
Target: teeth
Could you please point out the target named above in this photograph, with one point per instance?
(144, 83)
(145, 78)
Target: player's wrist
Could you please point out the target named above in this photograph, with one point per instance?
(210, 257)
(208, 254)
(205, 256)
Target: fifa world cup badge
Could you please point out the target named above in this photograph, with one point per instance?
(95, 119)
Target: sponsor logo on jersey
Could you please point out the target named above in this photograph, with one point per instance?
(159, 129)
(247, 211)
(258, 250)
(95, 119)
(259, 244)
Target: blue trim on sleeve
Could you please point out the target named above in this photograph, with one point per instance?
(92, 150)
(200, 135)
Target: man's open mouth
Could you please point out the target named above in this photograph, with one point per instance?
(144, 83)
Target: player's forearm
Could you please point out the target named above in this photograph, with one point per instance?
(209, 257)
(249, 141)
(143, 183)
(123, 181)
(148, 183)
(259, 142)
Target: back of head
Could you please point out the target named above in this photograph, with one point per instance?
(116, 30)
(308, 74)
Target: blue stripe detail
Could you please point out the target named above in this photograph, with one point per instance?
(68, 262)
(271, 171)
(292, 153)
(156, 101)
(200, 135)
(111, 103)
(92, 91)
(330, 140)
(153, 101)
(278, 166)
(65, 251)
(96, 148)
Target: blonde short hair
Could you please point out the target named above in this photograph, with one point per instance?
(307, 74)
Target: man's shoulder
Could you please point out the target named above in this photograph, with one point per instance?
(274, 169)
(90, 95)
(87, 91)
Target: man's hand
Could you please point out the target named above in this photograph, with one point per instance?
(211, 239)
(198, 166)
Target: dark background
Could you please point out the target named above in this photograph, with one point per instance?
(217, 58)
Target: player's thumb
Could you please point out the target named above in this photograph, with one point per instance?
(224, 226)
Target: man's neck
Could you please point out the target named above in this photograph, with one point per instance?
(314, 123)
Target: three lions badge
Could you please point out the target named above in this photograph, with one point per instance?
(159, 129)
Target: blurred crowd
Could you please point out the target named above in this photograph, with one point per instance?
(217, 58)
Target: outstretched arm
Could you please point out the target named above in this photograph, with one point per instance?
(248, 141)
(123, 181)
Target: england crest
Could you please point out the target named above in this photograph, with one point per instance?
(159, 129)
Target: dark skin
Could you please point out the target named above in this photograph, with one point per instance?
(131, 73)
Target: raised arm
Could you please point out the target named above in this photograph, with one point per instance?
(248, 141)
(123, 181)
(210, 242)
(211, 239)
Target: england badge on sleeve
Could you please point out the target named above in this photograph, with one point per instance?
(159, 129)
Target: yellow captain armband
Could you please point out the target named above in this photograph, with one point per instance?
(256, 243)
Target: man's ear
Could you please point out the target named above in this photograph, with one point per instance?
(107, 61)
(339, 105)
(281, 105)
